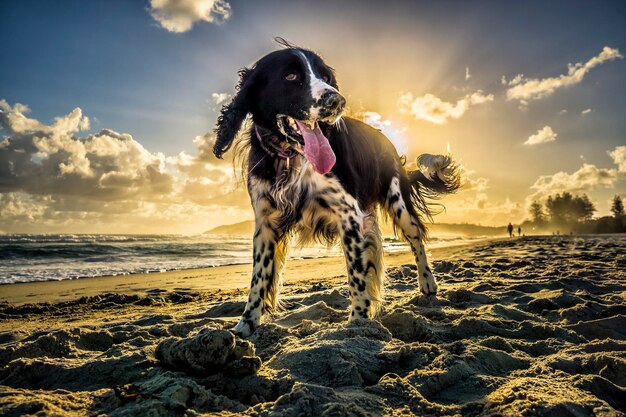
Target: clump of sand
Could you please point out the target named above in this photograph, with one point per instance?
(532, 326)
(210, 352)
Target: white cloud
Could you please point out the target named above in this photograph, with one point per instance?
(486, 211)
(474, 202)
(107, 181)
(220, 98)
(22, 209)
(586, 111)
(180, 15)
(479, 184)
(562, 112)
(395, 135)
(14, 120)
(516, 80)
(26, 213)
(525, 89)
(619, 158)
(107, 165)
(432, 109)
(467, 74)
(586, 178)
(543, 135)
(481, 208)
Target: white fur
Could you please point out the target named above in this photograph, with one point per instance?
(318, 87)
(434, 165)
(341, 214)
(413, 234)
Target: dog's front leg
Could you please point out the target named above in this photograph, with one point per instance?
(362, 247)
(269, 257)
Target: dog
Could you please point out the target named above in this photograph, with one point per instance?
(314, 174)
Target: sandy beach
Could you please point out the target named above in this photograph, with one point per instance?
(530, 326)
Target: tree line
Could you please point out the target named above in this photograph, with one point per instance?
(567, 213)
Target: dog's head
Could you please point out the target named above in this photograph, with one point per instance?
(290, 93)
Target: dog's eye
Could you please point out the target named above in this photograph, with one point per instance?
(291, 77)
(326, 78)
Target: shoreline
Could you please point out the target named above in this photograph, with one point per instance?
(58, 258)
(209, 278)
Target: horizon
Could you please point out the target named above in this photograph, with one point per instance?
(107, 109)
(547, 229)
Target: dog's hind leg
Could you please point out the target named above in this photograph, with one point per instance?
(405, 218)
(270, 248)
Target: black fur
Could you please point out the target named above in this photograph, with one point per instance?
(263, 92)
(368, 174)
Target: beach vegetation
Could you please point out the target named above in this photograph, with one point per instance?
(564, 213)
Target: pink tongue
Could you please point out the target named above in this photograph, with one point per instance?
(317, 149)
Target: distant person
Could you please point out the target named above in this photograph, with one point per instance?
(519, 231)
(509, 229)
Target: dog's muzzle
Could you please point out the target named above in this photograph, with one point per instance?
(332, 105)
(333, 102)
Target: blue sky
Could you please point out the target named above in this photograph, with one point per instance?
(127, 72)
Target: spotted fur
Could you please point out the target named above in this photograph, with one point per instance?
(292, 201)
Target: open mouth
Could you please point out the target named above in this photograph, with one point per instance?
(289, 127)
(307, 134)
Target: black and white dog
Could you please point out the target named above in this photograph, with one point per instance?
(314, 174)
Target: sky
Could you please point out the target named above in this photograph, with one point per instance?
(107, 107)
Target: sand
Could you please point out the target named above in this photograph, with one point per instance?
(533, 326)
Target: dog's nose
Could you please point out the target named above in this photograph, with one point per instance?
(333, 100)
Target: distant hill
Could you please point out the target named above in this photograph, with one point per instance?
(242, 228)
(468, 229)
(246, 228)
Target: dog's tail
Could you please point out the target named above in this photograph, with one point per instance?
(436, 176)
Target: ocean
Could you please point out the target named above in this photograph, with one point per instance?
(28, 258)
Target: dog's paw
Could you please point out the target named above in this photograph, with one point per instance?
(428, 285)
(244, 328)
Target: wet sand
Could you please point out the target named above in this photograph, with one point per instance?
(530, 326)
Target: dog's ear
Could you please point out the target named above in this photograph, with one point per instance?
(233, 114)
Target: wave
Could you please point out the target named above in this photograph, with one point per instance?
(45, 257)
(83, 238)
